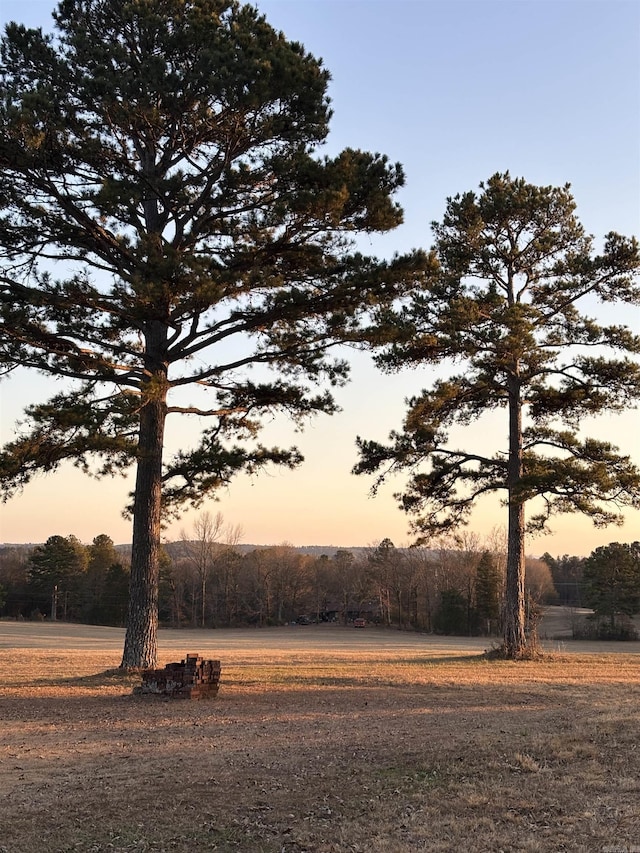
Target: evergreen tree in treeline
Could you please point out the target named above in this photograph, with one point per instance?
(488, 594)
(56, 570)
(612, 587)
(567, 573)
(63, 579)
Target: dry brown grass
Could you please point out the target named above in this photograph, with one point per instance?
(323, 751)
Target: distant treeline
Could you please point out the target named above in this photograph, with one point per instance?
(213, 581)
(456, 587)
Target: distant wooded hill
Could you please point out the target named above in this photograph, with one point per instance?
(174, 549)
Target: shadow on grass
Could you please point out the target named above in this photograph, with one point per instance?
(105, 678)
(363, 674)
(438, 660)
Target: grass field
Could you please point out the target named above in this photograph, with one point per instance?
(319, 741)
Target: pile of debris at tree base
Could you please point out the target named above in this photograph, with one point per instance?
(192, 678)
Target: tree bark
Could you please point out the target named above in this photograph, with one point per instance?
(515, 640)
(141, 639)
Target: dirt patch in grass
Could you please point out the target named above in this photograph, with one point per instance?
(323, 750)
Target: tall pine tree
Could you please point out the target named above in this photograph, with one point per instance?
(515, 270)
(488, 593)
(167, 225)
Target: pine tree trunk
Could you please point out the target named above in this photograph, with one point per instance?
(514, 621)
(515, 640)
(141, 639)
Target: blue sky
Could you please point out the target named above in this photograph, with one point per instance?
(455, 91)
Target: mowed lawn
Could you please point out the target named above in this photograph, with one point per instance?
(321, 739)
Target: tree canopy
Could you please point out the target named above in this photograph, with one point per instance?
(167, 226)
(612, 580)
(516, 274)
(56, 571)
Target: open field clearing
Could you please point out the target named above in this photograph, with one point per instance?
(321, 740)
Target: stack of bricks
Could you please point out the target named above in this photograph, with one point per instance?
(192, 678)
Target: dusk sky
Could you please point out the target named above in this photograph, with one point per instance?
(455, 91)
